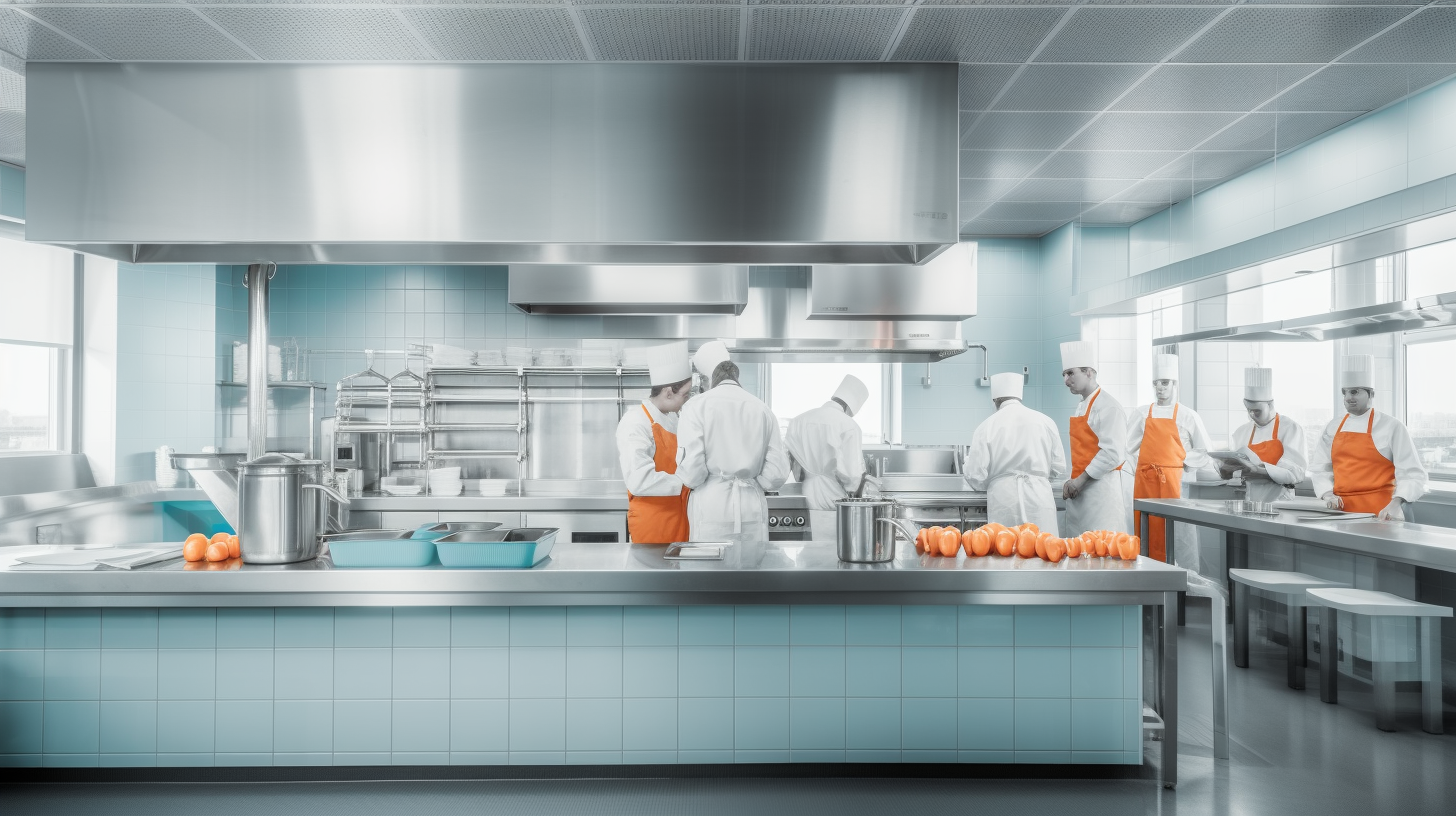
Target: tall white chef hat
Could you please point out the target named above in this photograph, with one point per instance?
(668, 365)
(1259, 384)
(1007, 384)
(1357, 371)
(1079, 354)
(852, 393)
(1165, 367)
(709, 355)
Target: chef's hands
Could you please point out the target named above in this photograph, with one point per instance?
(1395, 511)
(1072, 487)
(1333, 502)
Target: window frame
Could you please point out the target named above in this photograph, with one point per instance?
(59, 437)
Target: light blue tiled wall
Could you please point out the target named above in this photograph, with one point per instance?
(577, 685)
(166, 391)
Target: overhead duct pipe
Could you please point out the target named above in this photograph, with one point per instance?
(259, 274)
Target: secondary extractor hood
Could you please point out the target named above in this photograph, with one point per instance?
(943, 288)
(564, 163)
(627, 290)
(1432, 312)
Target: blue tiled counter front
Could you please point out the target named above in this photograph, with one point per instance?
(569, 685)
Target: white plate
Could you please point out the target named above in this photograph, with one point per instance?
(402, 490)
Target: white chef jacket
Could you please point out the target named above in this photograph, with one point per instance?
(1016, 456)
(1190, 430)
(1102, 504)
(1392, 440)
(1292, 466)
(729, 452)
(828, 444)
(636, 449)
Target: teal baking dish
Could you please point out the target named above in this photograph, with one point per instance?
(512, 548)
(434, 532)
(379, 548)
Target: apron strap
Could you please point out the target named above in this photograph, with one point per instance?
(736, 486)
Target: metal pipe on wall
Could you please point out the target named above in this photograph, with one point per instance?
(256, 282)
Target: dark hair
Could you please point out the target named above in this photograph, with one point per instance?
(725, 370)
(674, 387)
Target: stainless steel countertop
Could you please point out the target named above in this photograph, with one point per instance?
(1420, 544)
(616, 574)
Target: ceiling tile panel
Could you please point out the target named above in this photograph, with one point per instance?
(663, 33)
(27, 39)
(1129, 164)
(1427, 37)
(1124, 34)
(127, 33)
(979, 84)
(1274, 34)
(1070, 189)
(985, 189)
(1154, 191)
(1283, 131)
(1297, 128)
(821, 33)
(1033, 210)
(1214, 164)
(1211, 87)
(1024, 131)
(1119, 213)
(976, 34)
(1348, 88)
(1069, 87)
(498, 33)
(1156, 131)
(12, 117)
(1000, 163)
(992, 228)
(321, 33)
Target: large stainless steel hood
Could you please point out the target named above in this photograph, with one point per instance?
(627, 290)
(494, 163)
(1432, 312)
(943, 288)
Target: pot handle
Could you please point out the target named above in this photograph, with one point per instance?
(330, 492)
(908, 528)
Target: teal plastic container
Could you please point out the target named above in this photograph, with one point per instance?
(515, 548)
(379, 548)
(435, 532)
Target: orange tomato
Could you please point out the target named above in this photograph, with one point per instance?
(234, 547)
(980, 544)
(950, 541)
(194, 550)
(1005, 543)
(1030, 526)
(219, 538)
(196, 537)
(217, 552)
(1026, 544)
(1056, 548)
(993, 528)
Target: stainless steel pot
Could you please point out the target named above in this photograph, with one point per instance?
(867, 530)
(281, 508)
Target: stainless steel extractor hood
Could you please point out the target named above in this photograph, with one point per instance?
(1435, 311)
(627, 290)
(565, 163)
(943, 288)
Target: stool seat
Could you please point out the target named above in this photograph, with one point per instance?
(1284, 583)
(1370, 602)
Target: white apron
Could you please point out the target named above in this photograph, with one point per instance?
(727, 509)
(1100, 506)
(1017, 497)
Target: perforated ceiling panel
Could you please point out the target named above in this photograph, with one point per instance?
(1283, 131)
(1067, 190)
(985, 189)
(1033, 211)
(125, 33)
(821, 33)
(1430, 36)
(12, 117)
(27, 39)
(1350, 88)
(1119, 213)
(1214, 164)
(497, 34)
(1271, 34)
(979, 84)
(1120, 164)
(1212, 87)
(1161, 131)
(1124, 34)
(1014, 131)
(1069, 87)
(661, 33)
(321, 33)
(1000, 163)
(976, 34)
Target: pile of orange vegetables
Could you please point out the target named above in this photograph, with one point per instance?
(220, 547)
(1026, 541)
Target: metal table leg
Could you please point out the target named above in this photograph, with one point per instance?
(1241, 625)
(1297, 639)
(1329, 654)
(1145, 526)
(1168, 548)
(1169, 689)
(1383, 672)
(1235, 556)
(1430, 637)
(1200, 587)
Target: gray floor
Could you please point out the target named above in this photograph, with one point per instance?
(1292, 754)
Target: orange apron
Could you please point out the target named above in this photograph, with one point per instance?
(1159, 474)
(1084, 440)
(659, 519)
(1268, 452)
(1364, 479)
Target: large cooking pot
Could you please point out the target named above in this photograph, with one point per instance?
(867, 530)
(281, 508)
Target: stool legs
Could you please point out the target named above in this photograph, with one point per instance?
(1220, 680)
(1296, 644)
(1430, 637)
(1384, 677)
(1329, 654)
(1241, 625)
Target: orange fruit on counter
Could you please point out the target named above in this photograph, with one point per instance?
(920, 536)
(1074, 547)
(1041, 542)
(1005, 543)
(234, 548)
(1030, 526)
(1129, 546)
(217, 552)
(1056, 548)
(950, 541)
(1026, 544)
(1100, 546)
(194, 549)
(980, 544)
(219, 538)
(993, 528)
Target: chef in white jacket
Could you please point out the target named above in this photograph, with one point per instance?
(827, 444)
(1274, 458)
(730, 453)
(1166, 445)
(657, 501)
(1095, 495)
(1365, 461)
(1015, 456)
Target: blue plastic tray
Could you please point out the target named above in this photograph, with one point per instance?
(380, 548)
(517, 548)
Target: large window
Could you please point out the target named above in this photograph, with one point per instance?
(1304, 384)
(36, 309)
(32, 398)
(1430, 401)
(1430, 270)
(798, 387)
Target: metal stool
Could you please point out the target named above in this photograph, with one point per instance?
(1383, 605)
(1200, 587)
(1290, 586)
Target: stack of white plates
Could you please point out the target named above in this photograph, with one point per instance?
(601, 357)
(391, 485)
(494, 487)
(517, 356)
(443, 356)
(490, 357)
(445, 481)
